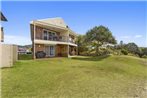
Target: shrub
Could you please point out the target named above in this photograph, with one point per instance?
(125, 52)
(144, 56)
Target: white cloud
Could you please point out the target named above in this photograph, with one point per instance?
(137, 36)
(128, 37)
(125, 37)
(19, 40)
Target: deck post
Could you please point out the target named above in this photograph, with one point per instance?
(76, 50)
(68, 45)
(34, 42)
(68, 50)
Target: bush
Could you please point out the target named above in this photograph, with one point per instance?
(40, 54)
(125, 52)
(144, 56)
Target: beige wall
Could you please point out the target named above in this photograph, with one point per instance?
(8, 55)
(39, 47)
(1, 35)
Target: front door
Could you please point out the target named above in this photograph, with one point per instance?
(50, 51)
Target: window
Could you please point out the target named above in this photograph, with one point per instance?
(48, 35)
(45, 35)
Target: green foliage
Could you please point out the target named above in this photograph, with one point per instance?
(132, 48)
(82, 46)
(125, 52)
(99, 35)
(144, 51)
(144, 56)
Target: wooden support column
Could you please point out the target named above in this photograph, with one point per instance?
(68, 51)
(76, 50)
(68, 45)
(34, 33)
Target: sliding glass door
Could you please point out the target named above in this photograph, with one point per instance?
(50, 51)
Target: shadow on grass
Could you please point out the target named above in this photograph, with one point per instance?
(91, 58)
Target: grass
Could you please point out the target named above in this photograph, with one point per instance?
(25, 56)
(79, 77)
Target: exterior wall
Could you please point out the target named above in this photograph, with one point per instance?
(39, 47)
(39, 32)
(61, 50)
(1, 35)
(8, 55)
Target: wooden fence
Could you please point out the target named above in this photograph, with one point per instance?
(8, 55)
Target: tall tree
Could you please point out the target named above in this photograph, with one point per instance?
(99, 35)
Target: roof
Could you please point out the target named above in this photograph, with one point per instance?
(3, 18)
(55, 21)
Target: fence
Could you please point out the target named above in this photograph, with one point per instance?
(8, 55)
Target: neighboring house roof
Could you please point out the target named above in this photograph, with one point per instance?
(3, 18)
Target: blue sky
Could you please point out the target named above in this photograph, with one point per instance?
(126, 20)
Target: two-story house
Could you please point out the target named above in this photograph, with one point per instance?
(53, 37)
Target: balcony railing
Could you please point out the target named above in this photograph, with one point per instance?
(57, 38)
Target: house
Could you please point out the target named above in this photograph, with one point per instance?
(26, 49)
(53, 37)
(3, 18)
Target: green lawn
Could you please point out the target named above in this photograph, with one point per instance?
(79, 77)
(25, 56)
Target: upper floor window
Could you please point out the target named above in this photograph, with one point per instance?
(48, 35)
(45, 35)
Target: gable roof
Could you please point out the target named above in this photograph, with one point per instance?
(58, 21)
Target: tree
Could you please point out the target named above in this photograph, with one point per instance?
(99, 35)
(132, 48)
(144, 50)
(81, 44)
